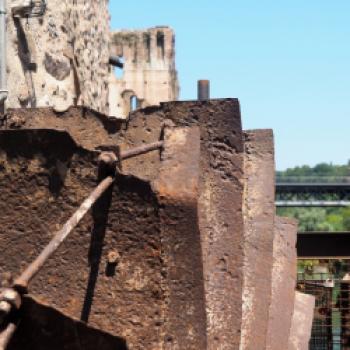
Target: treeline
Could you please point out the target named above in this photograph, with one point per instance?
(318, 219)
(319, 170)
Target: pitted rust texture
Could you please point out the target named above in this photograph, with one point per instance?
(136, 298)
(87, 127)
(284, 274)
(220, 212)
(41, 185)
(177, 189)
(259, 213)
(42, 328)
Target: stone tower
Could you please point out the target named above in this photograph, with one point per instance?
(149, 75)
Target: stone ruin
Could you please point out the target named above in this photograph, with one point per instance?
(185, 250)
(149, 74)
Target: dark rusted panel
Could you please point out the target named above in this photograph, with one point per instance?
(43, 327)
(177, 190)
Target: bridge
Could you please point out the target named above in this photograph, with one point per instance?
(313, 192)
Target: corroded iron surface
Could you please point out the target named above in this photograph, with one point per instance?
(259, 215)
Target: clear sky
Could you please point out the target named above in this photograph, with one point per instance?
(287, 61)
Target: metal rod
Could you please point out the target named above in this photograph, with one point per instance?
(203, 90)
(3, 56)
(23, 280)
(141, 150)
(6, 335)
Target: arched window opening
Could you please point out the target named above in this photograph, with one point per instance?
(160, 44)
(119, 68)
(134, 103)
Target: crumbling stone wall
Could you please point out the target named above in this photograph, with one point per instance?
(149, 74)
(60, 59)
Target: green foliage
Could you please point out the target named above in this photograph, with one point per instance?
(318, 219)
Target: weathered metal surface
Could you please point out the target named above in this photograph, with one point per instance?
(29, 273)
(259, 214)
(221, 224)
(45, 328)
(221, 182)
(284, 274)
(87, 128)
(300, 332)
(178, 193)
(44, 176)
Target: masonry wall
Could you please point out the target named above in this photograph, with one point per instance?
(149, 74)
(60, 59)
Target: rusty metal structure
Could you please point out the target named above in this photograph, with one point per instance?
(153, 257)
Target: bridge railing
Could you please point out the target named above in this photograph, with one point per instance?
(313, 179)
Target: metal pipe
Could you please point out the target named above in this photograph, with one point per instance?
(141, 150)
(6, 335)
(3, 53)
(203, 90)
(116, 62)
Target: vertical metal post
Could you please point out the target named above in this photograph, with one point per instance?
(3, 53)
(203, 90)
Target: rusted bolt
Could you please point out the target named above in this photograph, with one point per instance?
(108, 158)
(12, 297)
(9, 300)
(5, 309)
(107, 164)
(113, 257)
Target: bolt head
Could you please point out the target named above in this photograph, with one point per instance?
(113, 257)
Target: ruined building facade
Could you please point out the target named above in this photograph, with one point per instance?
(61, 58)
(149, 75)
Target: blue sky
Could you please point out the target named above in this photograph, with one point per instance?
(287, 61)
